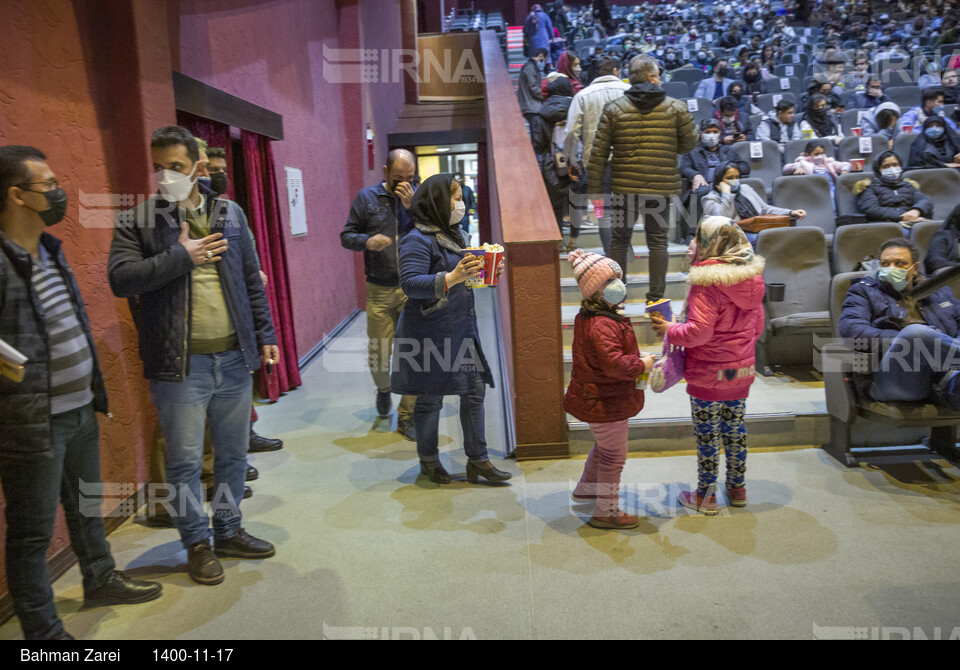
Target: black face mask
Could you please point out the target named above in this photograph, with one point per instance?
(57, 206)
(218, 182)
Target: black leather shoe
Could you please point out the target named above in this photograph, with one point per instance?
(435, 472)
(202, 564)
(406, 429)
(384, 403)
(487, 471)
(252, 473)
(63, 635)
(258, 443)
(242, 545)
(160, 519)
(121, 590)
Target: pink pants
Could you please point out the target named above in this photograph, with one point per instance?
(601, 473)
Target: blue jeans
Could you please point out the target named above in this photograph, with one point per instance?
(216, 392)
(32, 490)
(915, 362)
(426, 420)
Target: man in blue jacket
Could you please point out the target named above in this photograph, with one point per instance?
(915, 340)
(186, 261)
(49, 436)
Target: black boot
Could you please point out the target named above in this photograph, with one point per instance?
(435, 472)
(486, 470)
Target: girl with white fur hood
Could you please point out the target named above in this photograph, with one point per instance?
(724, 321)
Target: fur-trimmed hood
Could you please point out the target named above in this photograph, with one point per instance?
(862, 185)
(743, 284)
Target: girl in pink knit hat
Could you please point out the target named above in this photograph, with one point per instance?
(603, 390)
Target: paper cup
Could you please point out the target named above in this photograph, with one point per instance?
(491, 260)
(856, 164)
(475, 282)
(908, 129)
(857, 132)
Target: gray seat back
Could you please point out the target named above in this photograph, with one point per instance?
(851, 244)
(901, 146)
(767, 168)
(808, 192)
(794, 148)
(757, 185)
(941, 185)
(797, 258)
(691, 76)
(850, 148)
(676, 89)
(921, 234)
(838, 293)
(846, 200)
(905, 96)
(768, 101)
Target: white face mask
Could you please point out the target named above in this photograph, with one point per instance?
(175, 186)
(459, 209)
(710, 139)
(891, 173)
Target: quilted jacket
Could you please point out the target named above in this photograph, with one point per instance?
(884, 201)
(647, 131)
(606, 365)
(25, 431)
(151, 268)
(724, 321)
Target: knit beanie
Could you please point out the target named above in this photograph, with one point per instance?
(592, 271)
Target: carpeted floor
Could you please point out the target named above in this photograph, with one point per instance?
(365, 548)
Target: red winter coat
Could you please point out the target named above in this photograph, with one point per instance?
(724, 322)
(606, 364)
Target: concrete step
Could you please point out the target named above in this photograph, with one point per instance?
(784, 430)
(638, 263)
(638, 317)
(637, 287)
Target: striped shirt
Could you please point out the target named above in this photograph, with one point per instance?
(71, 361)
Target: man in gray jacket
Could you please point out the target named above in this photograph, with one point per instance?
(528, 86)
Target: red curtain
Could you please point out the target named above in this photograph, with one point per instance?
(217, 135)
(267, 227)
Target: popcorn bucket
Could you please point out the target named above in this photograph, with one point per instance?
(857, 164)
(492, 257)
(908, 129)
(807, 134)
(857, 131)
(475, 282)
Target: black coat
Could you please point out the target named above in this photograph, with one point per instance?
(881, 201)
(925, 154)
(25, 430)
(375, 211)
(149, 266)
(695, 163)
(944, 251)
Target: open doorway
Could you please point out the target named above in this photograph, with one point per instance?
(459, 159)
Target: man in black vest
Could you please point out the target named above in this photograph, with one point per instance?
(49, 436)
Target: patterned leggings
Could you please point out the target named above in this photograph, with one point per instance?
(717, 424)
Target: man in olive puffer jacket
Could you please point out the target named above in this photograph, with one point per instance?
(646, 131)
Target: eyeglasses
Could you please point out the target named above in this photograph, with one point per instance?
(51, 184)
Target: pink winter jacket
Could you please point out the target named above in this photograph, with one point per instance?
(724, 321)
(834, 167)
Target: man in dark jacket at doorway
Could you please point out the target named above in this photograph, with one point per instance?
(49, 436)
(378, 219)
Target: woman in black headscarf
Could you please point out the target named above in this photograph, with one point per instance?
(438, 349)
(818, 120)
(936, 146)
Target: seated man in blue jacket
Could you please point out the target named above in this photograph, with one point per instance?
(915, 340)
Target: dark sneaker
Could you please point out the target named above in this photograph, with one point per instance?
(202, 564)
(121, 590)
(384, 403)
(405, 428)
(242, 544)
(259, 444)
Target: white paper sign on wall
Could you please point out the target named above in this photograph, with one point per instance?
(298, 208)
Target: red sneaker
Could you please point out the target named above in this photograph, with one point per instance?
(737, 497)
(699, 503)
